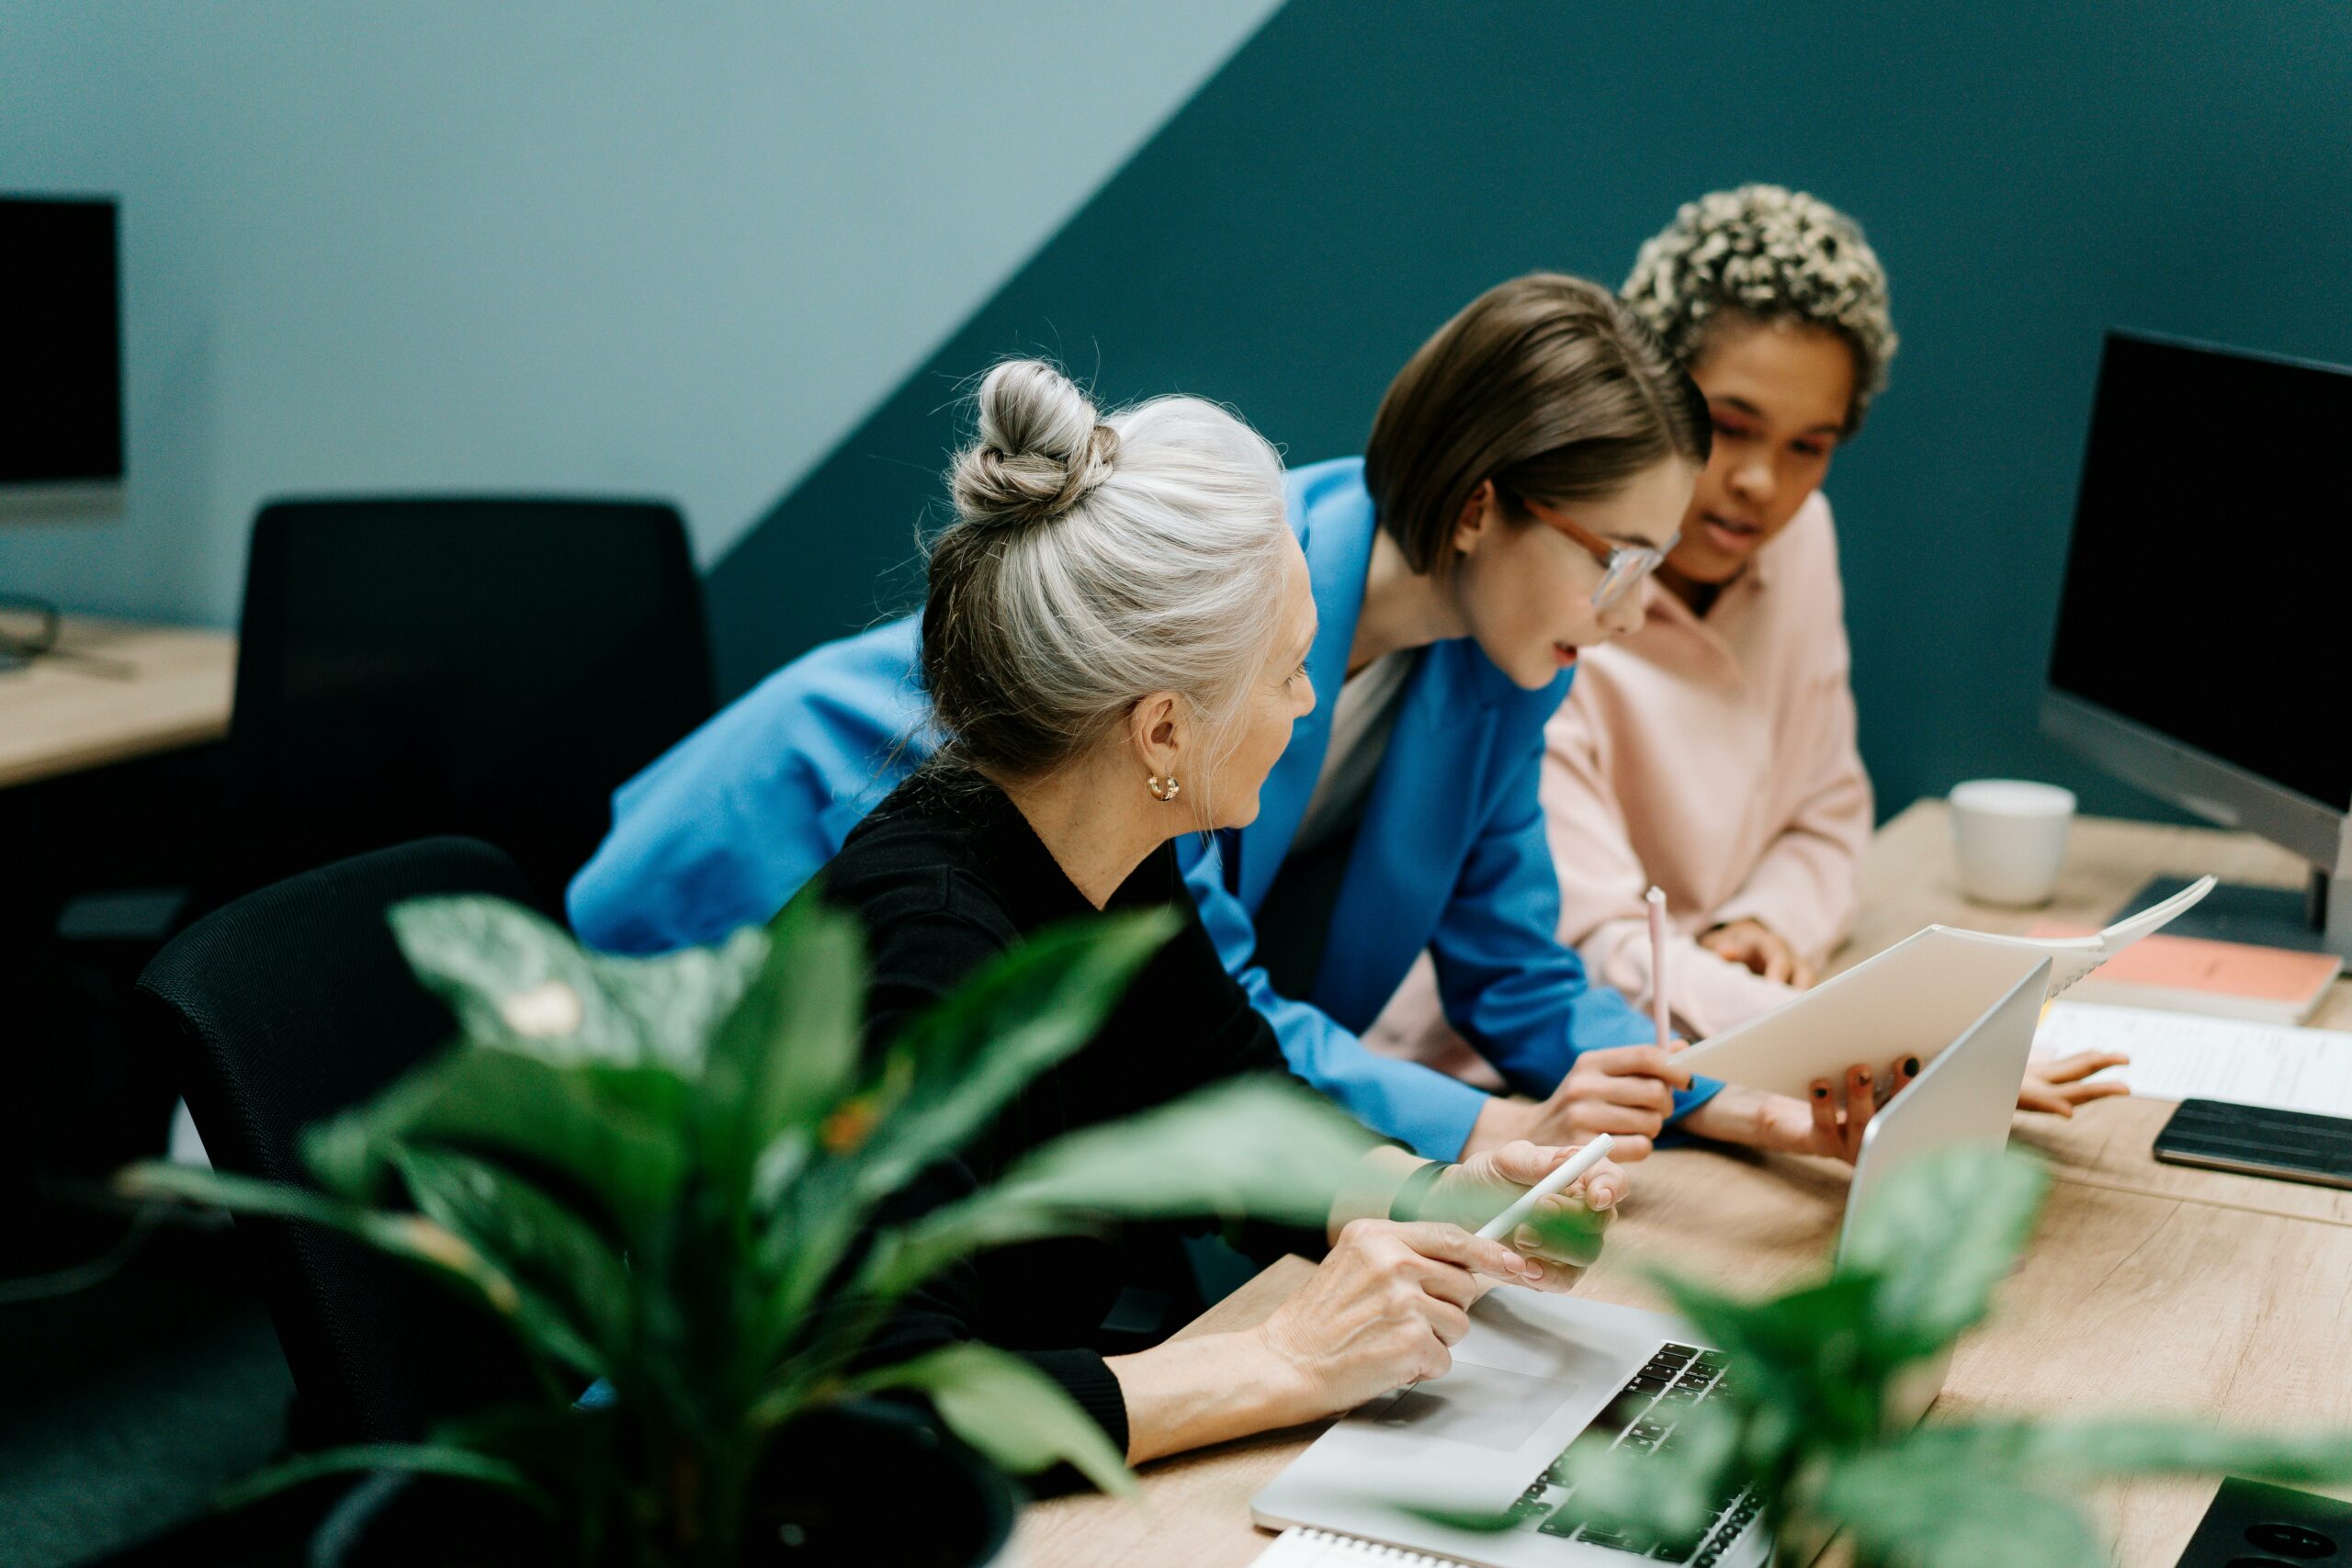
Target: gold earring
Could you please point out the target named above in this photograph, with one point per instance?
(1163, 790)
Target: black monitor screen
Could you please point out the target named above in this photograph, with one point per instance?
(60, 396)
(2209, 586)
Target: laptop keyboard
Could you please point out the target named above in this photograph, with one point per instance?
(1642, 1419)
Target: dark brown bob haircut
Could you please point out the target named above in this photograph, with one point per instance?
(1547, 385)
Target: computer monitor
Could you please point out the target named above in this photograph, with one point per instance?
(60, 398)
(2202, 641)
(60, 392)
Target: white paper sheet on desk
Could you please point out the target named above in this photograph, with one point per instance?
(1914, 999)
(2179, 1055)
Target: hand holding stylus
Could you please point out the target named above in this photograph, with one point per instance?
(1516, 1211)
(1552, 1205)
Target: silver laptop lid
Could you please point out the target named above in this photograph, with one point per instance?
(1967, 1096)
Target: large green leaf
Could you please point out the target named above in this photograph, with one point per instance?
(415, 1459)
(952, 1070)
(1259, 1148)
(787, 1052)
(577, 1454)
(2125, 1446)
(1952, 1516)
(412, 1236)
(1809, 1354)
(1941, 1234)
(978, 1047)
(687, 1373)
(811, 1231)
(1010, 1411)
(576, 1302)
(1673, 1492)
(824, 1352)
(676, 1000)
(512, 977)
(507, 970)
(584, 1120)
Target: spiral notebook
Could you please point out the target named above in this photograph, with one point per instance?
(1302, 1548)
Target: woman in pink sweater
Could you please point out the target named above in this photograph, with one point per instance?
(1711, 753)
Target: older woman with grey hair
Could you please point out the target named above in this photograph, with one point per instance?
(1117, 621)
(1526, 470)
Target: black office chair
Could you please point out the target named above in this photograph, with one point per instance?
(493, 668)
(277, 1011)
(488, 667)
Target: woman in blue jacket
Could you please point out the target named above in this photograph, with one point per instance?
(1528, 467)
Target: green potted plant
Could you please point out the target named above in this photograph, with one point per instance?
(663, 1174)
(1810, 1415)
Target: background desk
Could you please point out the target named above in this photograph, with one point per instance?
(2149, 1288)
(156, 689)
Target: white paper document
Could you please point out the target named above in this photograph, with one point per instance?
(1914, 999)
(2187, 1056)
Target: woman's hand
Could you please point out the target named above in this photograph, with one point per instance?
(1383, 1309)
(1627, 1092)
(1760, 948)
(2058, 1086)
(1831, 1122)
(1567, 1237)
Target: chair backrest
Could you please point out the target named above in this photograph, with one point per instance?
(281, 1008)
(488, 667)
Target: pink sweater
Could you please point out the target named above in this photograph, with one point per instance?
(1715, 757)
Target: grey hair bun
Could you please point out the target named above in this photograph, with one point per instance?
(1042, 448)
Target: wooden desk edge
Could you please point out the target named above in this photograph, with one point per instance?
(178, 694)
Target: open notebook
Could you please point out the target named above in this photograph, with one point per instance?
(1913, 999)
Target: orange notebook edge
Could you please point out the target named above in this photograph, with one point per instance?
(2219, 968)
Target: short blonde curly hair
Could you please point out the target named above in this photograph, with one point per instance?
(1773, 254)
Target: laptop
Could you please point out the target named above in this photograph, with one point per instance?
(1537, 1371)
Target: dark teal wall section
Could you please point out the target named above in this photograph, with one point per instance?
(2032, 173)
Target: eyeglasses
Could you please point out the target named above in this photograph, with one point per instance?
(1622, 566)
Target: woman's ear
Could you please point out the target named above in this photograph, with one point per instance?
(1155, 732)
(1471, 526)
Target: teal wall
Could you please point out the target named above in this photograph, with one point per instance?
(2032, 173)
(665, 249)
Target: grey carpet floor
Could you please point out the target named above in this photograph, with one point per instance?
(126, 1407)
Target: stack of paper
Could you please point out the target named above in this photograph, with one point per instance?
(2183, 1056)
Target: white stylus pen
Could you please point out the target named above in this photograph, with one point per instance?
(1659, 1017)
(1576, 1165)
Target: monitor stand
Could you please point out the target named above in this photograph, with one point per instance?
(2262, 916)
(20, 648)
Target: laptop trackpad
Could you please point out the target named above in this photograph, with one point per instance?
(1485, 1407)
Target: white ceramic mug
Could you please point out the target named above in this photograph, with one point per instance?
(2009, 837)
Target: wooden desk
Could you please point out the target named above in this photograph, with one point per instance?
(2149, 1288)
(141, 690)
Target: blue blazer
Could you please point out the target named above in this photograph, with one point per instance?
(1450, 856)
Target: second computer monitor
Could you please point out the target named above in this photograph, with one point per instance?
(2203, 627)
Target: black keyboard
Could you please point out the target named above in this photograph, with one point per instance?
(1643, 1419)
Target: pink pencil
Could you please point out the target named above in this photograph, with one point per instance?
(1656, 898)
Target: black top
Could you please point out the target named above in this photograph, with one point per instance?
(947, 875)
